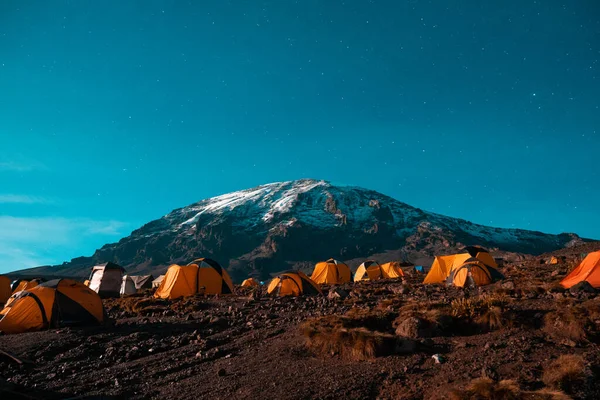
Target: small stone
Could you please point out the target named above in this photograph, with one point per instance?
(438, 358)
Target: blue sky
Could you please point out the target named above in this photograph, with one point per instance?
(114, 113)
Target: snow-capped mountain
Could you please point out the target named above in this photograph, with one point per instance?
(276, 226)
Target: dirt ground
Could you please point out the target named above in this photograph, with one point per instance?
(252, 346)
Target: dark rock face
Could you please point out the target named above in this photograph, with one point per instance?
(294, 224)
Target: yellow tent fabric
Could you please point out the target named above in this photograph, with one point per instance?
(250, 282)
(442, 265)
(5, 289)
(204, 276)
(481, 254)
(391, 270)
(472, 272)
(25, 284)
(331, 272)
(179, 281)
(293, 283)
(57, 303)
(368, 271)
(588, 270)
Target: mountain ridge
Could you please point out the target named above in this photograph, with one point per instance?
(276, 226)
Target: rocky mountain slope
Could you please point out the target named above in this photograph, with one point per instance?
(277, 226)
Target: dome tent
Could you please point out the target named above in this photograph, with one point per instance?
(53, 304)
(368, 271)
(392, 270)
(203, 275)
(331, 272)
(442, 265)
(250, 282)
(588, 270)
(127, 286)
(23, 284)
(293, 283)
(106, 279)
(473, 272)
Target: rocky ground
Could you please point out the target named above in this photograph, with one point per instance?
(523, 338)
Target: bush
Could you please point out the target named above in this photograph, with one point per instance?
(487, 389)
(573, 324)
(342, 336)
(567, 373)
(488, 311)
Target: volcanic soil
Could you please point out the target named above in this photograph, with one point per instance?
(522, 338)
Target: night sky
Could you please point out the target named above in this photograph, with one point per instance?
(114, 113)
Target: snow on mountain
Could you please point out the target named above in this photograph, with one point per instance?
(281, 225)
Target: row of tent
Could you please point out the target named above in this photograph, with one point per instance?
(64, 302)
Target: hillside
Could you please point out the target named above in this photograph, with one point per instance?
(278, 226)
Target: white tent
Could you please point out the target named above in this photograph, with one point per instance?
(106, 279)
(128, 286)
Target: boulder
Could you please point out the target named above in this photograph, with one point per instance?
(582, 287)
(337, 293)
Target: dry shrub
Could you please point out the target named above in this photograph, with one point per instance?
(377, 320)
(463, 308)
(487, 312)
(146, 306)
(414, 322)
(491, 319)
(487, 389)
(567, 372)
(573, 324)
(388, 304)
(337, 335)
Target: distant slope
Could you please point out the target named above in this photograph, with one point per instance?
(276, 226)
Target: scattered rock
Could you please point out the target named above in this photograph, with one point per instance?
(337, 293)
(510, 285)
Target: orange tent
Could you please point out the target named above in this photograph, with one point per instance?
(473, 272)
(201, 276)
(443, 265)
(588, 270)
(23, 284)
(250, 282)
(392, 270)
(58, 303)
(331, 272)
(293, 283)
(368, 271)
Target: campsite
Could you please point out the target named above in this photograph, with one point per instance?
(299, 199)
(387, 338)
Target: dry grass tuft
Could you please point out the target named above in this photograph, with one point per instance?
(463, 308)
(487, 389)
(487, 311)
(567, 373)
(569, 325)
(491, 319)
(331, 335)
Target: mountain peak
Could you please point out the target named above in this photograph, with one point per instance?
(280, 225)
